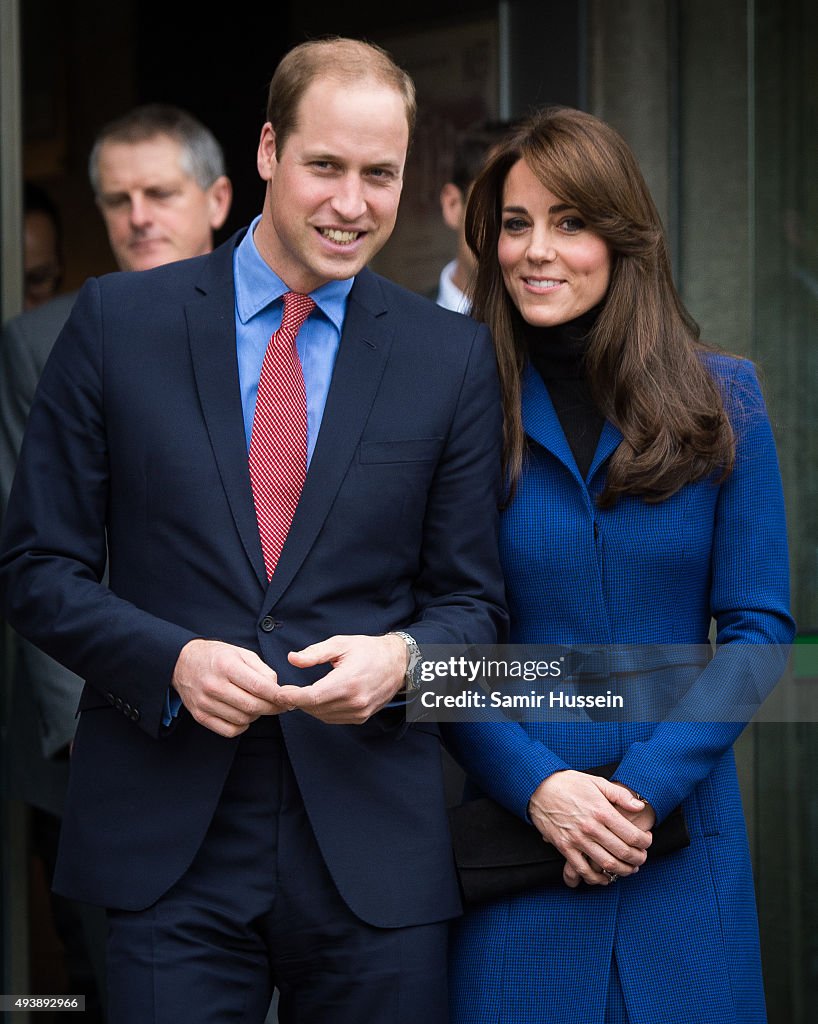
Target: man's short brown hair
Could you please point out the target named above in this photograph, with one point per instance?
(344, 60)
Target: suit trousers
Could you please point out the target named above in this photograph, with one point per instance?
(257, 908)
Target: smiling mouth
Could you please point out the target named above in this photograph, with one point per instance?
(542, 284)
(340, 237)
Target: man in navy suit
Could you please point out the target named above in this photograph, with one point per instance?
(242, 800)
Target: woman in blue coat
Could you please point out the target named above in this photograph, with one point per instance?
(645, 502)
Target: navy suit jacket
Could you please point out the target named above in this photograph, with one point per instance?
(135, 450)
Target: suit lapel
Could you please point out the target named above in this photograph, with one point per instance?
(212, 337)
(359, 366)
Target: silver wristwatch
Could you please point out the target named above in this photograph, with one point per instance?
(410, 680)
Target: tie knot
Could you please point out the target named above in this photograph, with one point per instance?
(297, 308)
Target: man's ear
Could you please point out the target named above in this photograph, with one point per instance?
(220, 196)
(452, 206)
(266, 158)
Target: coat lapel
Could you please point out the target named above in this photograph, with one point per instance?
(541, 424)
(609, 441)
(359, 366)
(212, 337)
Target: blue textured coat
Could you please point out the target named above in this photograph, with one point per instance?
(678, 942)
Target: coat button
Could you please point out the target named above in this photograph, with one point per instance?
(134, 715)
(268, 624)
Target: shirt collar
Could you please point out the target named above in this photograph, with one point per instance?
(258, 285)
(449, 295)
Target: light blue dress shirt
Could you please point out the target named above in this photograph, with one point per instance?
(259, 309)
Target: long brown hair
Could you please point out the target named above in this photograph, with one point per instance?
(643, 362)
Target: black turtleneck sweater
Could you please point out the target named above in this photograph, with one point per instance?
(558, 355)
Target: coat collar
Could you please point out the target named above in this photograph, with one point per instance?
(541, 424)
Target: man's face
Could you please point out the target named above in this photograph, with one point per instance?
(333, 190)
(453, 207)
(154, 211)
(41, 262)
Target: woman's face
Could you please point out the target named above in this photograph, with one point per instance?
(554, 267)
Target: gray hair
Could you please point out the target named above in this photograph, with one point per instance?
(202, 157)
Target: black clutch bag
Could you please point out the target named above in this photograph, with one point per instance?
(497, 854)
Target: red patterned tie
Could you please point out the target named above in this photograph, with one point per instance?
(278, 443)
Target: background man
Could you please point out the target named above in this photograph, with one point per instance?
(471, 151)
(158, 177)
(159, 180)
(271, 514)
(42, 247)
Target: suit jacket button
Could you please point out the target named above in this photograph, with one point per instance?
(134, 715)
(118, 703)
(268, 624)
(110, 698)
